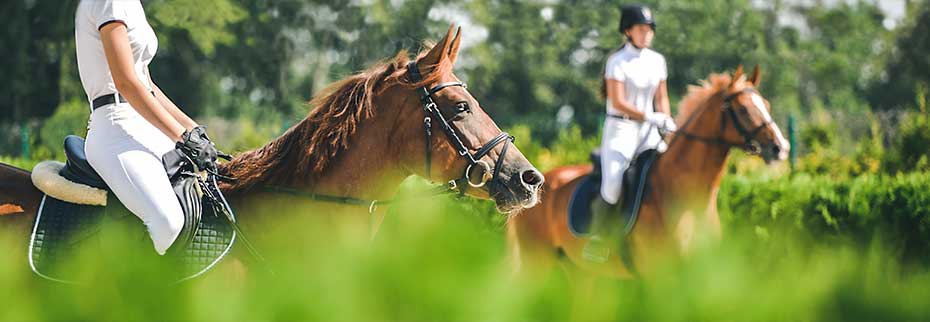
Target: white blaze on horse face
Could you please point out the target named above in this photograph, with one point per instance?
(759, 103)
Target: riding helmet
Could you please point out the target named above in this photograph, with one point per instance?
(635, 14)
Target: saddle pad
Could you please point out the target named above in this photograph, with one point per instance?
(633, 190)
(63, 231)
(579, 207)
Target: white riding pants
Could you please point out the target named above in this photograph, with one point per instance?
(622, 140)
(126, 151)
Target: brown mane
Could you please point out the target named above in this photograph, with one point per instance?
(699, 95)
(304, 152)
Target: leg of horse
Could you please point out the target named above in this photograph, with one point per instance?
(650, 246)
(21, 198)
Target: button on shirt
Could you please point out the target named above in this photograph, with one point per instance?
(641, 71)
(92, 62)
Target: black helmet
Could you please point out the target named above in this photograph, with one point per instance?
(635, 14)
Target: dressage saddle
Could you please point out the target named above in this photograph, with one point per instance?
(77, 169)
(635, 185)
(65, 225)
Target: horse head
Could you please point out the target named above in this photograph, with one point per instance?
(463, 145)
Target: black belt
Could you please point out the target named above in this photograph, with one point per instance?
(621, 117)
(109, 99)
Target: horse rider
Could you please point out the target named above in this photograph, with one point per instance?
(132, 123)
(637, 109)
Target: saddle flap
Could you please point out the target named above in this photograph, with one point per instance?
(63, 229)
(595, 158)
(635, 185)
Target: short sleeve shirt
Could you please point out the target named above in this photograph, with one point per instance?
(641, 71)
(92, 64)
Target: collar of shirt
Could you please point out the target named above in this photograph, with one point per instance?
(632, 49)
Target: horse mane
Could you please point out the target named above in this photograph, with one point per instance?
(699, 95)
(308, 148)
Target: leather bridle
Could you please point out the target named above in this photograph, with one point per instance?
(431, 111)
(750, 144)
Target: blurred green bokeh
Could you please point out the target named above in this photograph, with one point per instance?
(444, 259)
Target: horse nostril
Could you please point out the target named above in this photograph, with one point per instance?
(776, 150)
(532, 178)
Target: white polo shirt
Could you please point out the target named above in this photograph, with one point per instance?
(640, 70)
(91, 60)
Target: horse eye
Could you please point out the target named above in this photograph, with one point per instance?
(462, 108)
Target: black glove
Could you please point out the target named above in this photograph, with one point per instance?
(198, 148)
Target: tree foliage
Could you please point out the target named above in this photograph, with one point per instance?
(525, 60)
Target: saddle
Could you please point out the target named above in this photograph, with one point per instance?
(633, 189)
(79, 216)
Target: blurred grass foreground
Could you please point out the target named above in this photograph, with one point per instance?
(444, 259)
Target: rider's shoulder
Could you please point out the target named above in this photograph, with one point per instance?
(654, 54)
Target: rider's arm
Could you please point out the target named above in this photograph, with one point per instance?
(173, 109)
(661, 99)
(617, 96)
(116, 47)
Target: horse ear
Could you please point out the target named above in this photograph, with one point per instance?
(440, 51)
(754, 79)
(737, 75)
(456, 42)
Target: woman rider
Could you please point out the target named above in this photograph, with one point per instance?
(637, 109)
(132, 123)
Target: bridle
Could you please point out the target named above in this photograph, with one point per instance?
(750, 144)
(431, 111)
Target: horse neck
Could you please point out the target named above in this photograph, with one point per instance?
(693, 169)
(369, 168)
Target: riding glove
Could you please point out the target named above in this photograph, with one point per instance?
(197, 146)
(662, 121)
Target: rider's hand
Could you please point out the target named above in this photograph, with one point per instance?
(197, 146)
(662, 121)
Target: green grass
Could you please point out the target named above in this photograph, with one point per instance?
(444, 259)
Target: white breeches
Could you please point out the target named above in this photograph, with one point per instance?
(126, 151)
(622, 140)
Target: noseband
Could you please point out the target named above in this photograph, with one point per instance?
(750, 143)
(431, 111)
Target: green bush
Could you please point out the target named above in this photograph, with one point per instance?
(893, 209)
(69, 118)
(570, 147)
(912, 148)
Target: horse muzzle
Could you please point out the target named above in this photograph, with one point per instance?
(516, 190)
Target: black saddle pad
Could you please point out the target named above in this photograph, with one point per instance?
(67, 236)
(633, 190)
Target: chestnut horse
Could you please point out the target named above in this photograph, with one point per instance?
(365, 135)
(680, 204)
